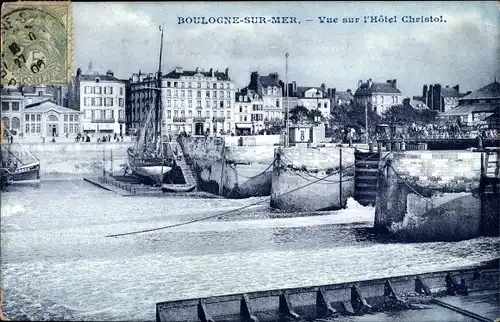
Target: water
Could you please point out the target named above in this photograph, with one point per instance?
(58, 264)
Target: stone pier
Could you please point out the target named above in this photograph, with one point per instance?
(434, 196)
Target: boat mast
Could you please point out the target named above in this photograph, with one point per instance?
(159, 115)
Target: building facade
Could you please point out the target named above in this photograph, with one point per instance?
(101, 98)
(248, 112)
(378, 96)
(269, 90)
(476, 107)
(196, 102)
(47, 119)
(12, 101)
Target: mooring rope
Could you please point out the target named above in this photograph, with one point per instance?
(230, 211)
(312, 176)
(239, 174)
(409, 186)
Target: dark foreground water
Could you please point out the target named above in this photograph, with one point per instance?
(58, 264)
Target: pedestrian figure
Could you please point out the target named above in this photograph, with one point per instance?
(53, 140)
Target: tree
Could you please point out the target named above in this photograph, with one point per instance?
(353, 116)
(300, 114)
(407, 115)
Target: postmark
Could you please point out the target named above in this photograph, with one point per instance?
(36, 43)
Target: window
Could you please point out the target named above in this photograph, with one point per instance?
(5, 106)
(228, 104)
(198, 94)
(33, 117)
(121, 90)
(241, 109)
(190, 114)
(241, 118)
(221, 104)
(228, 115)
(214, 85)
(88, 90)
(168, 84)
(176, 113)
(245, 118)
(76, 118)
(27, 127)
(66, 118)
(189, 85)
(325, 105)
(175, 84)
(319, 105)
(122, 102)
(169, 114)
(190, 103)
(169, 93)
(98, 101)
(87, 114)
(198, 103)
(199, 113)
(207, 94)
(182, 84)
(15, 106)
(207, 114)
(97, 90)
(278, 103)
(199, 85)
(109, 90)
(183, 113)
(183, 93)
(221, 94)
(38, 128)
(92, 100)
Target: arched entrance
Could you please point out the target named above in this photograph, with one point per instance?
(52, 125)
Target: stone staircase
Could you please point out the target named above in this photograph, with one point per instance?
(490, 171)
(189, 177)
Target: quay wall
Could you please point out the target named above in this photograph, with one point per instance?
(77, 158)
(433, 196)
(296, 184)
(243, 173)
(253, 140)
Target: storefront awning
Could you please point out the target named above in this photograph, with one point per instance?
(243, 126)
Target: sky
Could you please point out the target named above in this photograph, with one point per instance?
(124, 37)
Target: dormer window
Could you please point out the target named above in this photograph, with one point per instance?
(241, 98)
(97, 79)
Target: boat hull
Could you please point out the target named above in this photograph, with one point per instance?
(26, 173)
(177, 188)
(151, 173)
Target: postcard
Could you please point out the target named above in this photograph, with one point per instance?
(250, 161)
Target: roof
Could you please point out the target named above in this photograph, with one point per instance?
(489, 91)
(449, 92)
(177, 74)
(250, 93)
(47, 105)
(302, 89)
(386, 88)
(102, 78)
(345, 96)
(258, 82)
(417, 104)
(471, 108)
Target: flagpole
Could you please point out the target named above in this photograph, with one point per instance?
(287, 140)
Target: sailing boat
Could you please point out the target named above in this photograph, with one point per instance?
(147, 158)
(18, 165)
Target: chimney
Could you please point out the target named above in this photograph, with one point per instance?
(323, 87)
(197, 69)
(254, 77)
(447, 86)
(349, 90)
(457, 88)
(179, 70)
(109, 72)
(424, 93)
(370, 82)
(78, 72)
(359, 83)
(227, 73)
(211, 72)
(294, 83)
(394, 83)
(275, 77)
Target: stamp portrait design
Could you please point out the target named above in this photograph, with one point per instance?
(36, 43)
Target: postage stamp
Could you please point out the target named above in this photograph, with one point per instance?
(36, 43)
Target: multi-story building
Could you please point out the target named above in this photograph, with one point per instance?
(12, 109)
(197, 102)
(341, 98)
(378, 96)
(476, 107)
(56, 93)
(313, 98)
(441, 99)
(101, 97)
(270, 90)
(248, 112)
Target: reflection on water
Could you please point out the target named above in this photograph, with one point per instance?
(58, 264)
